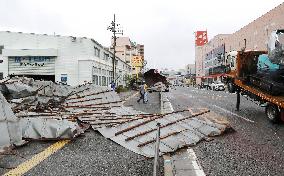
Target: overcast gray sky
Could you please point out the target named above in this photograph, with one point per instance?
(165, 27)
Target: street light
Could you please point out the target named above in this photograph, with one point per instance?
(114, 28)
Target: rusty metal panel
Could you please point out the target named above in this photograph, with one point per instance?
(173, 135)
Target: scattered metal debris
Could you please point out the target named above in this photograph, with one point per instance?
(176, 131)
(9, 126)
(52, 111)
(50, 129)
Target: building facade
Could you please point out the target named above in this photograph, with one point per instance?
(254, 36)
(130, 52)
(190, 70)
(72, 60)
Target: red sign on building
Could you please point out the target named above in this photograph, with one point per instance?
(201, 38)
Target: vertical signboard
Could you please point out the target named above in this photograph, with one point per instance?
(137, 61)
(201, 38)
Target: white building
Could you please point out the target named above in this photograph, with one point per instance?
(73, 60)
(190, 69)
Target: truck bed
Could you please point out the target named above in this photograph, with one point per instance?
(278, 100)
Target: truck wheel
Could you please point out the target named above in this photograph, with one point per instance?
(273, 113)
(231, 87)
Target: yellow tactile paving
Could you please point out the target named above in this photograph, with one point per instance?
(35, 160)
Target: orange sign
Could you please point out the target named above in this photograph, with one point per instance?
(137, 61)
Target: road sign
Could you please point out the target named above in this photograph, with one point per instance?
(137, 61)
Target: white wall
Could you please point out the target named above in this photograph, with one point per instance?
(70, 51)
(85, 71)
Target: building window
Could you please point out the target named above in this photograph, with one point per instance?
(104, 83)
(103, 72)
(95, 79)
(100, 80)
(1, 48)
(106, 56)
(97, 52)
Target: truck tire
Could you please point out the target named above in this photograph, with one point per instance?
(273, 113)
(231, 87)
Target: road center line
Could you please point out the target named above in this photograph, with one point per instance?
(36, 159)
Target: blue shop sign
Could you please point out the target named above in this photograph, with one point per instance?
(63, 77)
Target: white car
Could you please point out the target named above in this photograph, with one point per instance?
(217, 86)
(159, 87)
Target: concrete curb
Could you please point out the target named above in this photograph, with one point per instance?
(166, 106)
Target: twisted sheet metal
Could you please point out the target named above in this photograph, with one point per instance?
(9, 126)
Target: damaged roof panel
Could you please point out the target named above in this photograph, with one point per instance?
(175, 133)
(57, 112)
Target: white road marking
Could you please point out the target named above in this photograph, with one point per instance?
(227, 111)
(171, 106)
(195, 165)
(197, 168)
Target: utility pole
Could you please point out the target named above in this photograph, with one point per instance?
(114, 28)
(156, 170)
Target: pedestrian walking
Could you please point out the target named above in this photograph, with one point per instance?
(143, 93)
(112, 85)
(145, 100)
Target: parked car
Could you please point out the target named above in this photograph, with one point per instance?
(204, 85)
(217, 86)
(159, 87)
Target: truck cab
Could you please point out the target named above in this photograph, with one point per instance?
(231, 61)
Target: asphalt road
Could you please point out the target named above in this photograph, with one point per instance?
(255, 147)
(90, 154)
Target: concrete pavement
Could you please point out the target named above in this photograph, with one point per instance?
(254, 148)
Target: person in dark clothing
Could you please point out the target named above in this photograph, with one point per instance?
(142, 92)
(112, 85)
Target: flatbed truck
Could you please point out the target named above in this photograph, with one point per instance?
(240, 66)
